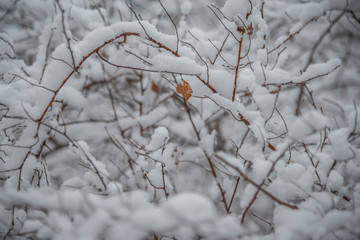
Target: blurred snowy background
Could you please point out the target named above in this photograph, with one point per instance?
(179, 119)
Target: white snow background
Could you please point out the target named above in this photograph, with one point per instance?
(99, 141)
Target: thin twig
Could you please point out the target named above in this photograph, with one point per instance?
(176, 30)
(65, 33)
(237, 67)
(191, 120)
(246, 178)
(219, 50)
(144, 69)
(94, 167)
(46, 55)
(207, 66)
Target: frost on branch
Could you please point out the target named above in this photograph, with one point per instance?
(179, 119)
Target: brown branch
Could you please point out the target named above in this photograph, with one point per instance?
(249, 206)
(29, 82)
(20, 169)
(219, 50)
(160, 45)
(95, 170)
(312, 161)
(142, 59)
(143, 69)
(46, 56)
(292, 34)
(176, 30)
(234, 193)
(321, 38)
(112, 102)
(211, 164)
(237, 67)
(277, 58)
(78, 67)
(207, 84)
(206, 64)
(11, 46)
(246, 178)
(65, 34)
(191, 120)
(323, 143)
(305, 81)
(227, 29)
(353, 132)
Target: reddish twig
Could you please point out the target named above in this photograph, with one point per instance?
(237, 67)
(176, 30)
(246, 178)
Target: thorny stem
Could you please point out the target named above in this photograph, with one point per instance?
(78, 67)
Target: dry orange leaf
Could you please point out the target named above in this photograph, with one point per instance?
(271, 146)
(241, 30)
(184, 89)
(250, 29)
(154, 87)
(244, 120)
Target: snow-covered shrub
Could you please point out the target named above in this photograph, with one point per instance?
(179, 119)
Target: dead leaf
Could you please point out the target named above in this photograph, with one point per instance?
(244, 119)
(271, 146)
(250, 29)
(241, 30)
(184, 89)
(154, 87)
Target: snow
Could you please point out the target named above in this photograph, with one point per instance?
(261, 169)
(168, 63)
(191, 208)
(233, 8)
(335, 180)
(291, 223)
(88, 18)
(185, 7)
(109, 152)
(159, 139)
(72, 97)
(307, 124)
(6, 46)
(335, 219)
(153, 117)
(207, 143)
(262, 56)
(95, 39)
(264, 100)
(341, 148)
(304, 12)
(222, 81)
(277, 76)
(318, 70)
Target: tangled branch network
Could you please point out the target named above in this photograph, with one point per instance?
(179, 119)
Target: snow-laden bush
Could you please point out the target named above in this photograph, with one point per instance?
(179, 119)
